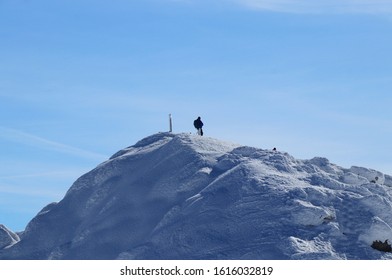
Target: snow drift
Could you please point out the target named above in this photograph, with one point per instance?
(181, 196)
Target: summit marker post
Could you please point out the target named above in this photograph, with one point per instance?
(170, 123)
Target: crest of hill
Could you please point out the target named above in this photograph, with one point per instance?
(181, 196)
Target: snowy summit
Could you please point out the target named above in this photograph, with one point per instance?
(182, 196)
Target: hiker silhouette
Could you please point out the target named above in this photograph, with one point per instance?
(199, 126)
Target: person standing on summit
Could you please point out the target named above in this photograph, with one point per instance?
(199, 126)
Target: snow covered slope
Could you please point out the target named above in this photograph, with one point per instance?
(7, 237)
(181, 196)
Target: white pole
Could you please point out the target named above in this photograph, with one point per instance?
(170, 123)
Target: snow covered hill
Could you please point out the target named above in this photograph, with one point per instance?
(181, 196)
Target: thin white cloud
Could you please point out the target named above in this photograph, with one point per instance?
(42, 143)
(54, 174)
(52, 193)
(321, 6)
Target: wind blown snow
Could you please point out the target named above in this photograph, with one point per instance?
(182, 196)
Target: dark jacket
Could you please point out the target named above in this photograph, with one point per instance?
(198, 123)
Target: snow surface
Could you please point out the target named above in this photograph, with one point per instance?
(7, 237)
(182, 196)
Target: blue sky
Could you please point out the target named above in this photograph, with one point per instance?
(82, 79)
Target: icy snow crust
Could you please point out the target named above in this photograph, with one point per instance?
(181, 196)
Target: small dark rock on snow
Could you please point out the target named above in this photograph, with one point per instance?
(382, 246)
